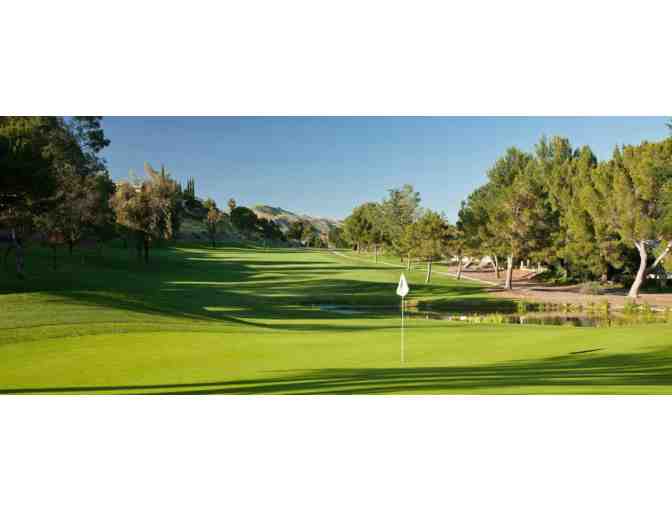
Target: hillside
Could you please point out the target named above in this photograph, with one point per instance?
(284, 218)
(193, 227)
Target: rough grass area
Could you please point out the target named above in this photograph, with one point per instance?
(241, 319)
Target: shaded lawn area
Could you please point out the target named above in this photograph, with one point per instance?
(246, 320)
(211, 287)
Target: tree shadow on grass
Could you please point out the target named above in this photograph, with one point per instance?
(563, 374)
(571, 373)
(237, 290)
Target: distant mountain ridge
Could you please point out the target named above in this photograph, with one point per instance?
(284, 218)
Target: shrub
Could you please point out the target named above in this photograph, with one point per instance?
(591, 288)
(523, 306)
(495, 318)
(605, 307)
(630, 307)
(556, 275)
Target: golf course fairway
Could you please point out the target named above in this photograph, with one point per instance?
(245, 320)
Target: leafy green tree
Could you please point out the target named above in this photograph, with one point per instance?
(551, 165)
(27, 173)
(90, 139)
(517, 214)
(244, 219)
(166, 195)
(428, 237)
(50, 169)
(336, 238)
(75, 144)
(311, 236)
(269, 229)
(80, 208)
(376, 233)
(400, 209)
(296, 230)
(463, 238)
(135, 211)
(593, 247)
(641, 203)
(148, 209)
(476, 229)
(358, 227)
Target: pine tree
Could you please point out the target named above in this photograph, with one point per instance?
(641, 206)
(190, 191)
(358, 227)
(431, 234)
(400, 209)
(516, 212)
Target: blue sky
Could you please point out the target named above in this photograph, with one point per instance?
(325, 166)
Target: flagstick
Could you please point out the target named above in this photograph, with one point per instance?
(402, 329)
(402, 290)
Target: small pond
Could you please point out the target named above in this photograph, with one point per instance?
(591, 318)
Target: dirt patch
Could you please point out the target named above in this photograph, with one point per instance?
(524, 287)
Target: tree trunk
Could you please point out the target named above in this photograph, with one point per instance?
(641, 272)
(459, 269)
(408, 266)
(610, 272)
(18, 254)
(375, 253)
(429, 271)
(19, 259)
(508, 283)
(604, 278)
(496, 263)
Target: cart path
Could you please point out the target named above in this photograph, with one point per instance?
(434, 271)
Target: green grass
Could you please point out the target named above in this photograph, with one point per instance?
(247, 320)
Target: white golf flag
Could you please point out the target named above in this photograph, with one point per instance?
(402, 288)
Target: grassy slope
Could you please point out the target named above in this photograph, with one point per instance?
(241, 320)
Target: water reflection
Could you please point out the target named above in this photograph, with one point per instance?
(591, 317)
(594, 320)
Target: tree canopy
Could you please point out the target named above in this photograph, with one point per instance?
(556, 206)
